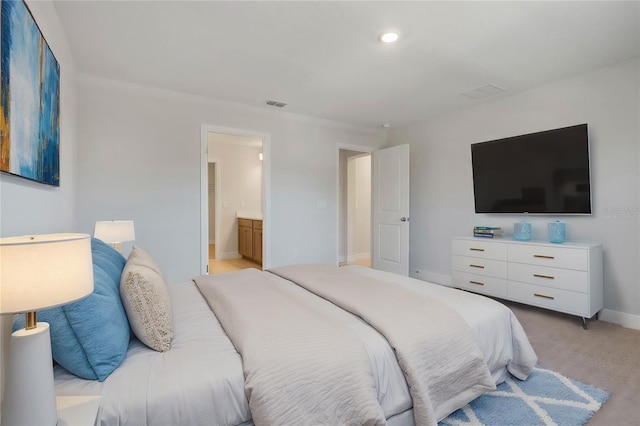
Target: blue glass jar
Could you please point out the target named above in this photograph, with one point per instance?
(557, 232)
(522, 231)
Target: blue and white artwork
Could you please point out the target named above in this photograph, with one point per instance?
(30, 102)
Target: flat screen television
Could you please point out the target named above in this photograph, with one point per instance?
(544, 172)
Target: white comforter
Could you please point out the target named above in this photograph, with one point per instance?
(301, 366)
(434, 346)
(200, 380)
(496, 329)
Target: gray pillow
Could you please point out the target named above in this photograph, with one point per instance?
(145, 298)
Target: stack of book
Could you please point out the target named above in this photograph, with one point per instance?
(487, 231)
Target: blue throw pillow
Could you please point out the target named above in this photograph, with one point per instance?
(90, 337)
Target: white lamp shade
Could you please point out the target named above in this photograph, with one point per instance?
(115, 231)
(43, 271)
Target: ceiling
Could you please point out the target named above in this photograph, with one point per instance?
(323, 59)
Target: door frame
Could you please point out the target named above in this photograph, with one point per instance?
(205, 129)
(350, 147)
(216, 224)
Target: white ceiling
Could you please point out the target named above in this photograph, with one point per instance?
(324, 60)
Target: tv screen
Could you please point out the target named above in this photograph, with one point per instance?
(544, 172)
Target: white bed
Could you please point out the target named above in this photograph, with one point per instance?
(200, 381)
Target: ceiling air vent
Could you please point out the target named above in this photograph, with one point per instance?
(484, 91)
(276, 103)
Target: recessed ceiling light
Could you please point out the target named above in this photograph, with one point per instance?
(386, 125)
(389, 37)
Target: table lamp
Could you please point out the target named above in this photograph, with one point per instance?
(37, 272)
(114, 232)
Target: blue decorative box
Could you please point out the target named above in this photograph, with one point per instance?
(556, 232)
(522, 231)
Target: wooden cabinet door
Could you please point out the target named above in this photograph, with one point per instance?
(257, 245)
(245, 241)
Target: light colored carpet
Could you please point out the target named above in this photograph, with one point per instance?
(606, 356)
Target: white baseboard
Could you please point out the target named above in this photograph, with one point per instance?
(622, 318)
(229, 255)
(361, 256)
(342, 259)
(351, 259)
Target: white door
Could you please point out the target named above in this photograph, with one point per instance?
(390, 205)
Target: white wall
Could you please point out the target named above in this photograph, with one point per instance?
(363, 206)
(140, 159)
(441, 178)
(351, 210)
(32, 208)
(211, 175)
(240, 188)
(343, 155)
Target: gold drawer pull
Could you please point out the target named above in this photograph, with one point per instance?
(477, 266)
(476, 282)
(542, 256)
(543, 296)
(476, 249)
(549, 277)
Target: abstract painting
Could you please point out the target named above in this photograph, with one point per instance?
(30, 102)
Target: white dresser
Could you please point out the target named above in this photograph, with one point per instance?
(565, 277)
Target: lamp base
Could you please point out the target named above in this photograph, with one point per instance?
(30, 397)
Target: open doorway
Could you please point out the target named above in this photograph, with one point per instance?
(238, 219)
(389, 214)
(235, 193)
(354, 237)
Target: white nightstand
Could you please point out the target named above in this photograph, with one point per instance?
(77, 410)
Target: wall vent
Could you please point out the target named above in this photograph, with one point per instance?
(484, 91)
(275, 103)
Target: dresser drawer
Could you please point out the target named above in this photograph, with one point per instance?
(257, 224)
(556, 257)
(480, 284)
(551, 298)
(566, 279)
(475, 265)
(479, 248)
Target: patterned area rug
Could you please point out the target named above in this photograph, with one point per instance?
(545, 398)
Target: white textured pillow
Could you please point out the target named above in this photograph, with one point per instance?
(142, 258)
(145, 298)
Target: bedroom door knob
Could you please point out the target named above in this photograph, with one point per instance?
(404, 219)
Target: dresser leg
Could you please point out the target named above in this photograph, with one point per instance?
(584, 323)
